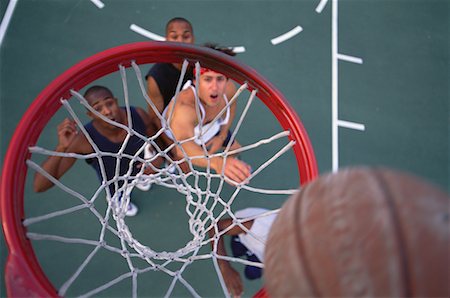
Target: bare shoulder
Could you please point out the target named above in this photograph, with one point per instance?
(184, 114)
(186, 97)
(185, 102)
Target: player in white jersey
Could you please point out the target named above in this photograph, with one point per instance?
(185, 124)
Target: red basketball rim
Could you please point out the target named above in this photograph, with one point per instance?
(23, 274)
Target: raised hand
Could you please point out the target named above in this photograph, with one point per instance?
(67, 131)
(235, 169)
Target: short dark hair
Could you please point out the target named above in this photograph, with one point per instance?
(95, 89)
(179, 19)
(215, 46)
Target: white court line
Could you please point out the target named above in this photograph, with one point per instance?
(146, 33)
(350, 58)
(239, 49)
(334, 86)
(6, 19)
(98, 3)
(321, 5)
(286, 35)
(351, 125)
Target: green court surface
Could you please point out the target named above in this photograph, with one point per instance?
(392, 94)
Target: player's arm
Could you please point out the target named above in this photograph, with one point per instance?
(150, 131)
(229, 91)
(69, 140)
(224, 224)
(231, 277)
(183, 125)
(156, 97)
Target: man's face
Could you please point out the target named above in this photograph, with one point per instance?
(179, 31)
(212, 87)
(105, 104)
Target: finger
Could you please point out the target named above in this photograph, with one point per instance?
(68, 122)
(73, 125)
(230, 175)
(67, 126)
(241, 170)
(63, 131)
(235, 173)
(67, 131)
(245, 168)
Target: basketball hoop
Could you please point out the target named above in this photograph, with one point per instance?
(23, 274)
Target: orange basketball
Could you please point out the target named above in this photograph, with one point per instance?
(361, 232)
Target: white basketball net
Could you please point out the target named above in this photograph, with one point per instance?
(200, 200)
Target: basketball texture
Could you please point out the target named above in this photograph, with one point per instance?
(361, 232)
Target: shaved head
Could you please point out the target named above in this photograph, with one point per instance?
(178, 20)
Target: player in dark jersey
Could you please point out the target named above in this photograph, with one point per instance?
(107, 137)
(162, 79)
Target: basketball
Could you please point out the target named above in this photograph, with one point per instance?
(361, 232)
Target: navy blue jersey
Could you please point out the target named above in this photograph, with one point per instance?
(166, 77)
(105, 145)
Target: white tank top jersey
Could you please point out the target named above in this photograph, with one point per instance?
(208, 130)
(260, 228)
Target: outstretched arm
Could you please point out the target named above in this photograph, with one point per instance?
(231, 277)
(156, 97)
(151, 131)
(183, 125)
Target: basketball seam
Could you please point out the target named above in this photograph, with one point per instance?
(397, 230)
